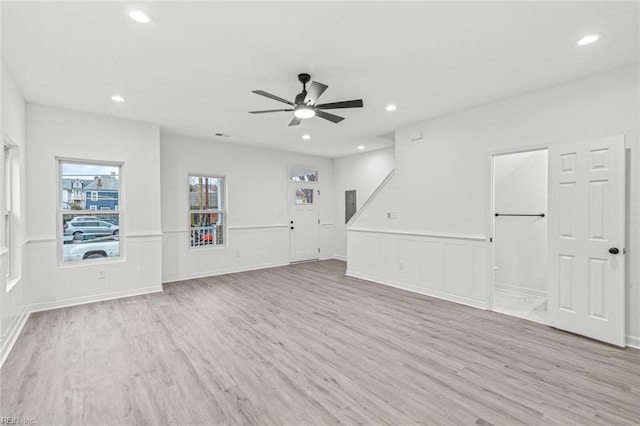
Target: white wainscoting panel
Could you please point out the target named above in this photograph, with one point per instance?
(51, 285)
(449, 267)
(248, 247)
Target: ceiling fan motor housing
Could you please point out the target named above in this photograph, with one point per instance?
(304, 78)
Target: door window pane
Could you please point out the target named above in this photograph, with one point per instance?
(304, 196)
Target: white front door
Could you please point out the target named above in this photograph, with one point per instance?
(304, 238)
(586, 238)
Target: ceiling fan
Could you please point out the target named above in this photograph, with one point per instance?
(305, 106)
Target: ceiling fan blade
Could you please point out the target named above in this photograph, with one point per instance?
(314, 92)
(274, 97)
(330, 117)
(356, 103)
(295, 121)
(269, 110)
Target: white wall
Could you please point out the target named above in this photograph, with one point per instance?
(441, 181)
(520, 242)
(54, 132)
(362, 173)
(13, 312)
(257, 212)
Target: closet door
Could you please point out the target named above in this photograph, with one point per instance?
(586, 238)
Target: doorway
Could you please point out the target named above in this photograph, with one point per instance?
(304, 220)
(520, 240)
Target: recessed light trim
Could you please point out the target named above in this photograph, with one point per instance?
(361, 147)
(391, 107)
(139, 16)
(588, 39)
(306, 137)
(117, 98)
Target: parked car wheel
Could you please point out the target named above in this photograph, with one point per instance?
(77, 235)
(95, 255)
(116, 232)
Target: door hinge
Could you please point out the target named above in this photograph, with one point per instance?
(318, 192)
(490, 239)
(318, 221)
(318, 249)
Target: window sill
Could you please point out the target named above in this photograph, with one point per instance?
(216, 247)
(91, 262)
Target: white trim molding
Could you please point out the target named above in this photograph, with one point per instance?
(373, 195)
(471, 237)
(633, 341)
(45, 306)
(12, 335)
(233, 228)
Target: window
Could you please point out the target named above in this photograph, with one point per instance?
(6, 195)
(90, 221)
(303, 175)
(206, 210)
(304, 196)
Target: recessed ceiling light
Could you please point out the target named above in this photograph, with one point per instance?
(391, 107)
(117, 98)
(306, 137)
(361, 147)
(139, 16)
(591, 38)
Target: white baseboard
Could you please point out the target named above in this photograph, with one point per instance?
(633, 342)
(521, 290)
(222, 272)
(12, 335)
(340, 257)
(45, 306)
(480, 304)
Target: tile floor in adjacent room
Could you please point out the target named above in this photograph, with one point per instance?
(520, 305)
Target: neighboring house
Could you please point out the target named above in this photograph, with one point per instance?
(72, 192)
(102, 193)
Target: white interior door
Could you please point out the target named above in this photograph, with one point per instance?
(304, 238)
(586, 238)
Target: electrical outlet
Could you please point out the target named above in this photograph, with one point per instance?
(102, 274)
(401, 266)
(496, 269)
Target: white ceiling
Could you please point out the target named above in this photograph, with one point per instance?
(193, 68)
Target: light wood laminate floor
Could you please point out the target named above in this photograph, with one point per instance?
(303, 345)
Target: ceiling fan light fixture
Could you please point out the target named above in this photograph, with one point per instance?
(304, 112)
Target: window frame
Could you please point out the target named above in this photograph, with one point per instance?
(222, 211)
(119, 213)
(7, 197)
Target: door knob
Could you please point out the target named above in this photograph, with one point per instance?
(614, 250)
(292, 227)
(291, 222)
